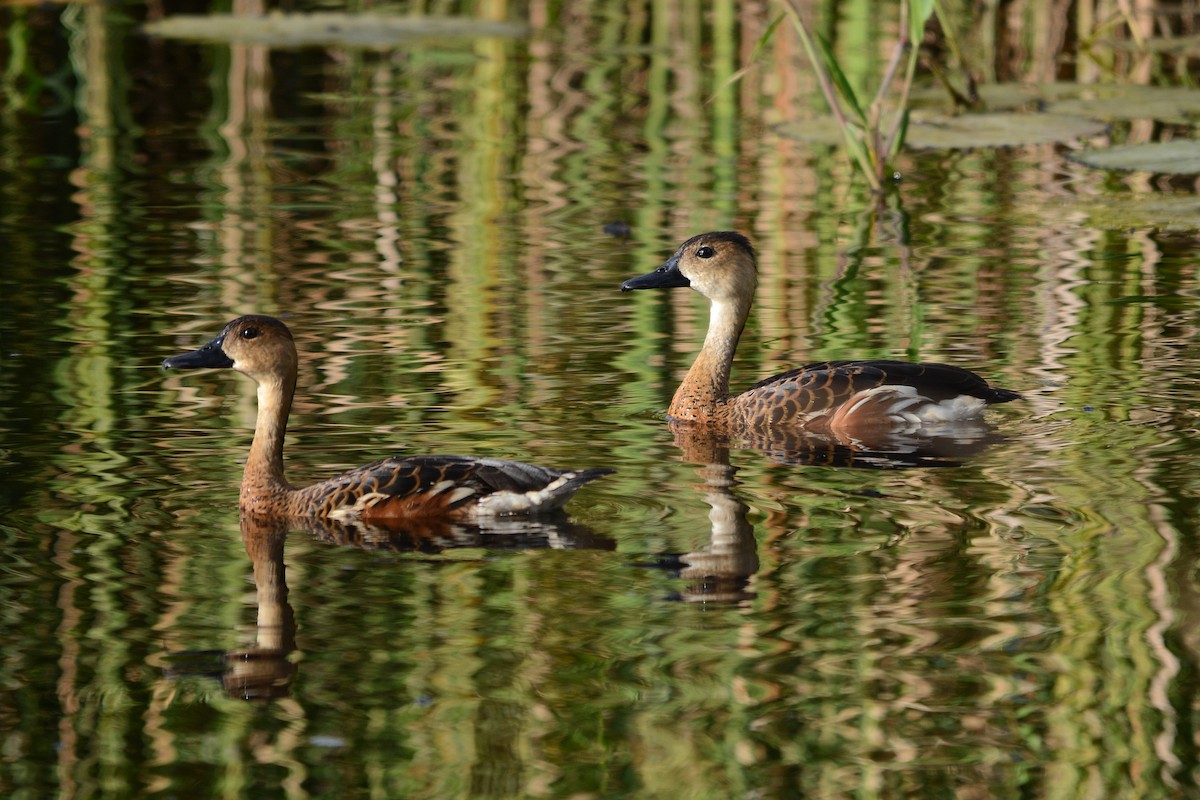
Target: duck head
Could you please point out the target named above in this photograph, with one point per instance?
(719, 265)
(255, 345)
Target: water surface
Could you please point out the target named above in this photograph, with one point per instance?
(709, 623)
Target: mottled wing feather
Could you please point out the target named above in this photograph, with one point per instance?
(936, 381)
(391, 477)
(821, 387)
(438, 485)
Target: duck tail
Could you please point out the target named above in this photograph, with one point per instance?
(548, 498)
(997, 395)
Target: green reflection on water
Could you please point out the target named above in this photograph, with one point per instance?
(430, 221)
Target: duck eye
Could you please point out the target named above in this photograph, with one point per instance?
(249, 333)
(705, 252)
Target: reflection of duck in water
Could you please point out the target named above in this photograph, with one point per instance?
(459, 488)
(721, 570)
(854, 403)
(545, 532)
(879, 450)
(265, 669)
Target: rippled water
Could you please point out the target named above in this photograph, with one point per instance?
(709, 623)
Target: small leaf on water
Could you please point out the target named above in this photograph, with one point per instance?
(995, 96)
(1178, 157)
(328, 29)
(1001, 129)
(1123, 102)
(817, 130)
(964, 132)
(1107, 102)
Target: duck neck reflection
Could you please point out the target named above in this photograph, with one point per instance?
(264, 671)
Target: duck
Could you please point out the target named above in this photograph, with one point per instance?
(455, 488)
(840, 398)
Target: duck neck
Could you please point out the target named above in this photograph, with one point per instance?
(264, 468)
(705, 389)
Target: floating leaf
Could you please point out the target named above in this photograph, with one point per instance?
(997, 96)
(1181, 106)
(816, 130)
(1106, 102)
(1179, 157)
(328, 29)
(964, 132)
(1001, 129)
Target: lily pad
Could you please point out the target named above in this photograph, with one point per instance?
(327, 29)
(999, 129)
(815, 130)
(963, 132)
(994, 96)
(1109, 102)
(1002, 96)
(1178, 157)
(1123, 102)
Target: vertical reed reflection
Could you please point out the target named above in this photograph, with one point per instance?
(430, 217)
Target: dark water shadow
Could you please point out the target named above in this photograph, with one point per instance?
(265, 670)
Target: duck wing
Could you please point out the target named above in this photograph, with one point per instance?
(880, 391)
(457, 487)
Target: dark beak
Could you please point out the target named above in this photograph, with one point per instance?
(208, 357)
(667, 276)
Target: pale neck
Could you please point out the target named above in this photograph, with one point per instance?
(706, 385)
(264, 467)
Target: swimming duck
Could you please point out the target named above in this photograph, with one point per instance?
(839, 397)
(461, 488)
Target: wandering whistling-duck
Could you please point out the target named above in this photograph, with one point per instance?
(838, 397)
(413, 487)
